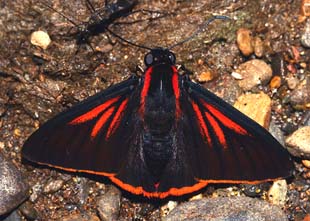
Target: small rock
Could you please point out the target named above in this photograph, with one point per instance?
(255, 106)
(276, 132)
(305, 8)
(40, 38)
(306, 163)
(205, 76)
(105, 48)
(258, 47)
(196, 197)
(253, 190)
(225, 87)
(253, 72)
(305, 38)
(277, 193)
(292, 82)
(108, 205)
(167, 208)
(80, 217)
(244, 41)
(13, 188)
(28, 210)
(300, 96)
(226, 208)
(278, 64)
(275, 82)
(53, 186)
(298, 143)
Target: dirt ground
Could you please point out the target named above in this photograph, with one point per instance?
(36, 84)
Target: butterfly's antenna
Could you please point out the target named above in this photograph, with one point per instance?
(63, 15)
(89, 4)
(200, 29)
(127, 41)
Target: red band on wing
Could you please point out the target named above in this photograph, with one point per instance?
(176, 90)
(94, 112)
(145, 89)
(102, 120)
(217, 129)
(225, 120)
(116, 120)
(202, 124)
(171, 192)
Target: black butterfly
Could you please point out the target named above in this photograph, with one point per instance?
(159, 135)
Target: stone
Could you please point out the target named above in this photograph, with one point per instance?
(13, 188)
(298, 143)
(254, 72)
(108, 205)
(255, 106)
(41, 39)
(244, 41)
(277, 193)
(226, 208)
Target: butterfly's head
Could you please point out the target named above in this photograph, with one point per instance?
(159, 56)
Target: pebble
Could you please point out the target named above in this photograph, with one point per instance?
(244, 41)
(168, 207)
(306, 163)
(225, 87)
(205, 76)
(305, 37)
(254, 72)
(258, 47)
(277, 193)
(29, 211)
(300, 96)
(41, 39)
(13, 188)
(53, 186)
(255, 106)
(226, 208)
(298, 143)
(276, 132)
(275, 82)
(292, 82)
(108, 205)
(252, 190)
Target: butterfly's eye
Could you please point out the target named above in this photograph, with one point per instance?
(171, 57)
(148, 59)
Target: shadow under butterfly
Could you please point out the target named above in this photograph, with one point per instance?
(159, 135)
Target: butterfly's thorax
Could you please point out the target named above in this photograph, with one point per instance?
(159, 118)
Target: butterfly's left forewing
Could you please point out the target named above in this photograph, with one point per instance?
(93, 136)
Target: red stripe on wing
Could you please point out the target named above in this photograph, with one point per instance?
(145, 89)
(176, 90)
(94, 112)
(116, 120)
(102, 120)
(225, 120)
(202, 124)
(217, 129)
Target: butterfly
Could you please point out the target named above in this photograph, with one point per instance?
(159, 135)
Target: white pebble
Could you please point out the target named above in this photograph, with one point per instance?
(40, 38)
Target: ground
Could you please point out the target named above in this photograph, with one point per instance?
(36, 84)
